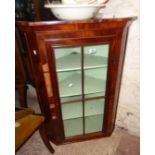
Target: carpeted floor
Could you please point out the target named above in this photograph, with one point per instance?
(120, 143)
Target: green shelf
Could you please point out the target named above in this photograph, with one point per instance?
(73, 127)
(98, 94)
(93, 123)
(73, 62)
(94, 107)
(74, 110)
(73, 117)
(70, 85)
(79, 97)
(94, 85)
(91, 61)
(69, 62)
(71, 110)
(70, 98)
(69, 58)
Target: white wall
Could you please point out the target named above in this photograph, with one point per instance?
(129, 105)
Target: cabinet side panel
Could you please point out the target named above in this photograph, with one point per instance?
(38, 78)
(116, 73)
(122, 42)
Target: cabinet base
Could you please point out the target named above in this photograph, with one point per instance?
(80, 138)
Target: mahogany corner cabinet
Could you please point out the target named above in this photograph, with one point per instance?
(77, 67)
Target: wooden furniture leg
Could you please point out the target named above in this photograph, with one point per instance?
(22, 92)
(45, 138)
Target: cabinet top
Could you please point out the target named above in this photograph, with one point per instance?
(45, 25)
(40, 23)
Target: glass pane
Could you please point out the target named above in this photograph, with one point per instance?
(94, 107)
(94, 112)
(95, 80)
(69, 83)
(71, 110)
(96, 56)
(73, 127)
(93, 123)
(72, 115)
(68, 58)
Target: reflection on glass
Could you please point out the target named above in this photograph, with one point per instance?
(73, 127)
(69, 83)
(94, 107)
(68, 58)
(96, 56)
(95, 68)
(93, 123)
(95, 80)
(71, 110)
(72, 118)
(94, 111)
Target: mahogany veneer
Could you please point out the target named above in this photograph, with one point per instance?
(44, 37)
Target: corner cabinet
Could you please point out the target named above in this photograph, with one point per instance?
(77, 67)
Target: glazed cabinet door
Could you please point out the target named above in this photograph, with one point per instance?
(81, 71)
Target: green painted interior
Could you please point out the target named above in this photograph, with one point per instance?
(98, 73)
(101, 50)
(69, 83)
(73, 117)
(95, 80)
(96, 59)
(69, 73)
(65, 51)
(72, 55)
(94, 107)
(74, 110)
(71, 110)
(93, 123)
(73, 127)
